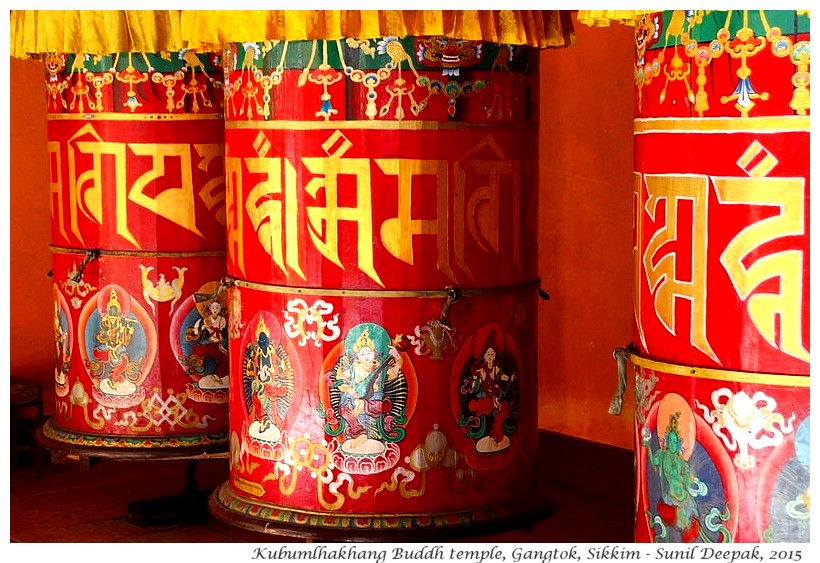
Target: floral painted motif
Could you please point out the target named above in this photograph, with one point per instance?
(745, 423)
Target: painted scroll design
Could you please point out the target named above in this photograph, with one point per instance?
(301, 457)
(311, 323)
(745, 42)
(75, 287)
(188, 87)
(746, 423)
(250, 96)
(296, 461)
(157, 412)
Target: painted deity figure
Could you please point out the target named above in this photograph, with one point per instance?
(209, 355)
(789, 500)
(213, 325)
(111, 363)
(63, 349)
(369, 391)
(676, 506)
(489, 391)
(268, 385)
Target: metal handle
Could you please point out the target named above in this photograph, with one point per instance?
(91, 254)
(453, 295)
(224, 284)
(616, 405)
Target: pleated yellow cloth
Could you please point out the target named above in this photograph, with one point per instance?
(104, 32)
(97, 32)
(535, 28)
(603, 18)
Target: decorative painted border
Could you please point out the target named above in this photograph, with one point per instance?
(379, 125)
(53, 432)
(115, 116)
(269, 515)
(436, 294)
(767, 124)
(722, 375)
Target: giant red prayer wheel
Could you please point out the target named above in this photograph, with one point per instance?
(380, 200)
(721, 347)
(135, 147)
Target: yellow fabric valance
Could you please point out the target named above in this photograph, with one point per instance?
(99, 32)
(535, 28)
(104, 32)
(603, 18)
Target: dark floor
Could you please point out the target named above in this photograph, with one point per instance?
(69, 503)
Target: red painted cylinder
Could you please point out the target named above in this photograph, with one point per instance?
(380, 209)
(722, 276)
(138, 241)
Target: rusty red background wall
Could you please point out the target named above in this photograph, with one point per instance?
(31, 340)
(584, 232)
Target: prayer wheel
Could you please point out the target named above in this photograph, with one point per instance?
(383, 288)
(721, 249)
(135, 145)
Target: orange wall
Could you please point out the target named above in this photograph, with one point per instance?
(585, 231)
(31, 342)
(585, 236)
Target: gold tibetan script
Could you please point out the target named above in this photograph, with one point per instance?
(481, 210)
(785, 265)
(397, 233)
(661, 267)
(324, 220)
(90, 183)
(744, 258)
(274, 205)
